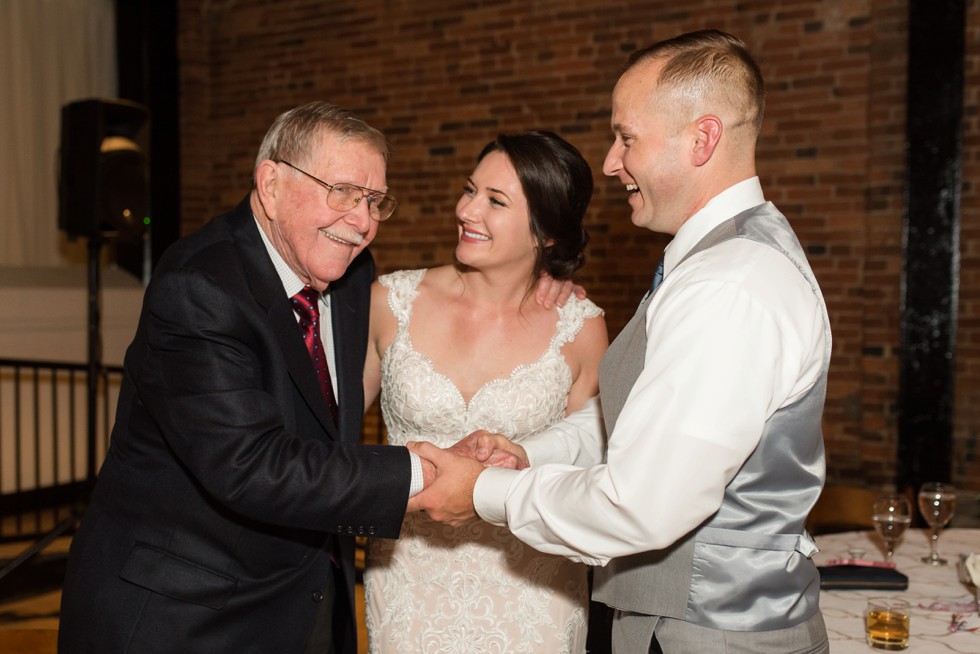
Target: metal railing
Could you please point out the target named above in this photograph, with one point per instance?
(50, 445)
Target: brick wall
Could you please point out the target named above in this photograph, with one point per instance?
(966, 455)
(441, 78)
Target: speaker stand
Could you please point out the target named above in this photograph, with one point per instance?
(94, 351)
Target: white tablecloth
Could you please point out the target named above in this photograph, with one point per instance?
(944, 613)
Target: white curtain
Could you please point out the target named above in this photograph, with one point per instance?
(51, 52)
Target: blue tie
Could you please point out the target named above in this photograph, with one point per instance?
(658, 275)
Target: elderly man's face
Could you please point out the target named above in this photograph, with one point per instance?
(316, 241)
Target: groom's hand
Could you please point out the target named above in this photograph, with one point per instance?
(449, 498)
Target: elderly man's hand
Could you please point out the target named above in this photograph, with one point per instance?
(428, 476)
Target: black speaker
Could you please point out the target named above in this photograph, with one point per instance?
(104, 178)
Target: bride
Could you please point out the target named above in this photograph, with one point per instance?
(465, 347)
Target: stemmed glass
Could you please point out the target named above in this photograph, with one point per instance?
(937, 502)
(891, 515)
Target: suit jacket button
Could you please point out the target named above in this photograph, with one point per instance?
(370, 531)
(317, 596)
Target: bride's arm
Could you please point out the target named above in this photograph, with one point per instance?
(583, 356)
(579, 439)
(381, 320)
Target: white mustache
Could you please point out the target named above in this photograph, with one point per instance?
(345, 236)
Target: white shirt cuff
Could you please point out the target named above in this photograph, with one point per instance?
(490, 492)
(418, 481)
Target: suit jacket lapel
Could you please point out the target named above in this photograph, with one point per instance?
(350, 301)
(269, 293)
(343, 320)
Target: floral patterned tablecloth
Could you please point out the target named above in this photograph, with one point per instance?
(944, 610)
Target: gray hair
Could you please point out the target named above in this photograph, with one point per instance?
(292, 135)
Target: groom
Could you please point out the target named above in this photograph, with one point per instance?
(712, 396)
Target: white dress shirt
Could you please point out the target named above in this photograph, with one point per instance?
(733, 334)
(293, 285)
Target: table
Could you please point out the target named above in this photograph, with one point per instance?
(944, 613)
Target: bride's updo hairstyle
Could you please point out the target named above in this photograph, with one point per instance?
(557, 183)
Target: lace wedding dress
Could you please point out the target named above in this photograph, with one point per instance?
(477, 588)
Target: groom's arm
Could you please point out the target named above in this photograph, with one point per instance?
(578, 440)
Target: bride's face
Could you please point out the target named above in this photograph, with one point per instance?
(493, 218)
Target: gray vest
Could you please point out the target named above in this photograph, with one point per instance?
(747, 567)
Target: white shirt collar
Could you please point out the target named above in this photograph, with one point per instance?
(290, 280)
(727, 204)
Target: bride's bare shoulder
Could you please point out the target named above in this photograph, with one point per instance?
(440, 280)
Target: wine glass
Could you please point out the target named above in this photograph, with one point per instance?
(891, 515)
(937, 502)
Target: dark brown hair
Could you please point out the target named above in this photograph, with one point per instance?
(557, 183)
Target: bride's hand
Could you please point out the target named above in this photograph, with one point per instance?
(492, 450)
(550, 291)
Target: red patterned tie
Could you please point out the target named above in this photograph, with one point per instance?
(305, 304)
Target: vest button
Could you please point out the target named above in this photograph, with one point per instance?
(317, 596)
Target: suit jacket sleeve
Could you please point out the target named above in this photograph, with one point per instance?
(216, 380)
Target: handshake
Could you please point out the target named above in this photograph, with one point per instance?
(450, 474)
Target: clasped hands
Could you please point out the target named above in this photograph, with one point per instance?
(450, 474)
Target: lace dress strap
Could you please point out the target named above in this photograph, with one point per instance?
(402, 288)
(571, 317)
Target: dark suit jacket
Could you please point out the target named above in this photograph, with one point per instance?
(226, 483)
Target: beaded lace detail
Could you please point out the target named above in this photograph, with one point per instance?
(476, 588)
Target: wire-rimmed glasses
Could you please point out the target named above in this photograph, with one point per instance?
(344, 196)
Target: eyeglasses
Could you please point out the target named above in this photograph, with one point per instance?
(344, 197)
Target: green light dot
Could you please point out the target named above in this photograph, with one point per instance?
(146, 220)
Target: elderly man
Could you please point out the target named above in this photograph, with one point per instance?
(712, 395)
(225, 513)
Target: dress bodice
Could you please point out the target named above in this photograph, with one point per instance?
(420, 403)
(475, 588)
